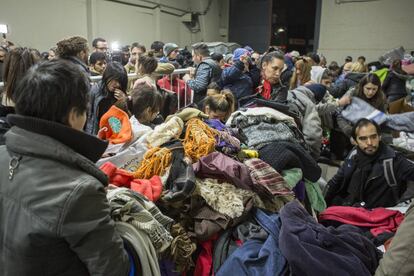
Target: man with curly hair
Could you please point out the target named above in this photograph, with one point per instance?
(75, 49)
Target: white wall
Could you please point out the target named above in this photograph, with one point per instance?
(41, 23)
(365, 28)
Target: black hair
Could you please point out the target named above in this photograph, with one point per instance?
(142, 97)
(216, 57)
(115, 71)
(201, 49)
(51, 89)
(270, 56)
(315, 57)
(362, 57)
(96, 56)
(157, 46)
(348, 59)
(139, 46)
(364, 122)
(96, 40)
(378, 101)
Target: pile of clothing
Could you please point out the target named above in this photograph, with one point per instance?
(201, 197)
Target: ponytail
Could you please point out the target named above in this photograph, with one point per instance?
(223, 102)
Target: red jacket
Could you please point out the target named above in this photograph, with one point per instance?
(178, 86)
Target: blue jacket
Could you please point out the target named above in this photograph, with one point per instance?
(239, 82)
(258, 257)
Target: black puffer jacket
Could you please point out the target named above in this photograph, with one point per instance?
(54, 215)
(394, 86)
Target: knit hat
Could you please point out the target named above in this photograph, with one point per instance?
(228, 57)
(248, 48)
(239, 52)
(168, 48)
(294, 54)
(318, 90)
(115, 126)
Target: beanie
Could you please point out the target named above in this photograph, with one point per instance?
(318, 90)
(248, 48)
(168, 48)
(115, 126)
(238, 53)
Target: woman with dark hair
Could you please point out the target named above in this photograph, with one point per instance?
(17, 63)
(145, 67)
(105, 93)
(395, 90)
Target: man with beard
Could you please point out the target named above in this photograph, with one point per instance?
(373, 175)
(75, 49)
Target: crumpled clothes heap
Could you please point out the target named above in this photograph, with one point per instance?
(165, 132)
(181, 248)
(155, 162)
(200, 139)
(133, 208)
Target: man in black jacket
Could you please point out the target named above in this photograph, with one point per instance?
(373, 175)
(54, 215)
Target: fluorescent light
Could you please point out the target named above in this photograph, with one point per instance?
(3, 28)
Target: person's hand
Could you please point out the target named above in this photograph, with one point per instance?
(192, 71)
(186, 77)
(345, 100)
(119, 94)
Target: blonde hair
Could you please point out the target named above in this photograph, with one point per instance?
(221, 101)
(305, 67)
(357, 67)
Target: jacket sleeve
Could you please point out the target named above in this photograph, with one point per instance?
(202, 78)
(398, 258)
(344, 125)
(232, 74)
(312, 129)
(404, 168)
(338, 90)
(254, 74)
(90, 232)
(92, 117)
(334, 184)
(164, 68)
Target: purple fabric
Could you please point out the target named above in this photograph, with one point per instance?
(167, 268)
(219, 166)
(216, 124)
(299, 190)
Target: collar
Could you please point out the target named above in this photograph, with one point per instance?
(86, 145)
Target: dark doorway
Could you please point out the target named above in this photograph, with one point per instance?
(250, 23)
(293, 25)
(288, 24)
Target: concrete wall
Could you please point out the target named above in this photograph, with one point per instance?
(368, 28)
(41, 23)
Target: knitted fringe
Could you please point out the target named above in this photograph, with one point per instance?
(199, 139)
(155, 162)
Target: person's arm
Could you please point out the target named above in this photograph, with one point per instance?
(202, 78)
(232, 74)
(344, 125)
(312, 129)
(333, 186)
(87, 227)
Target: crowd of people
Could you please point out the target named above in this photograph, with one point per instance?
(209, 172)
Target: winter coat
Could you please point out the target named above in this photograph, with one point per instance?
(399, 258)
(206, 72)
(350, 81)
(238, 81)
(304, 99)
(96, 95)
(4, 123)
(376, 192)
(394, 86)
(54, 215)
